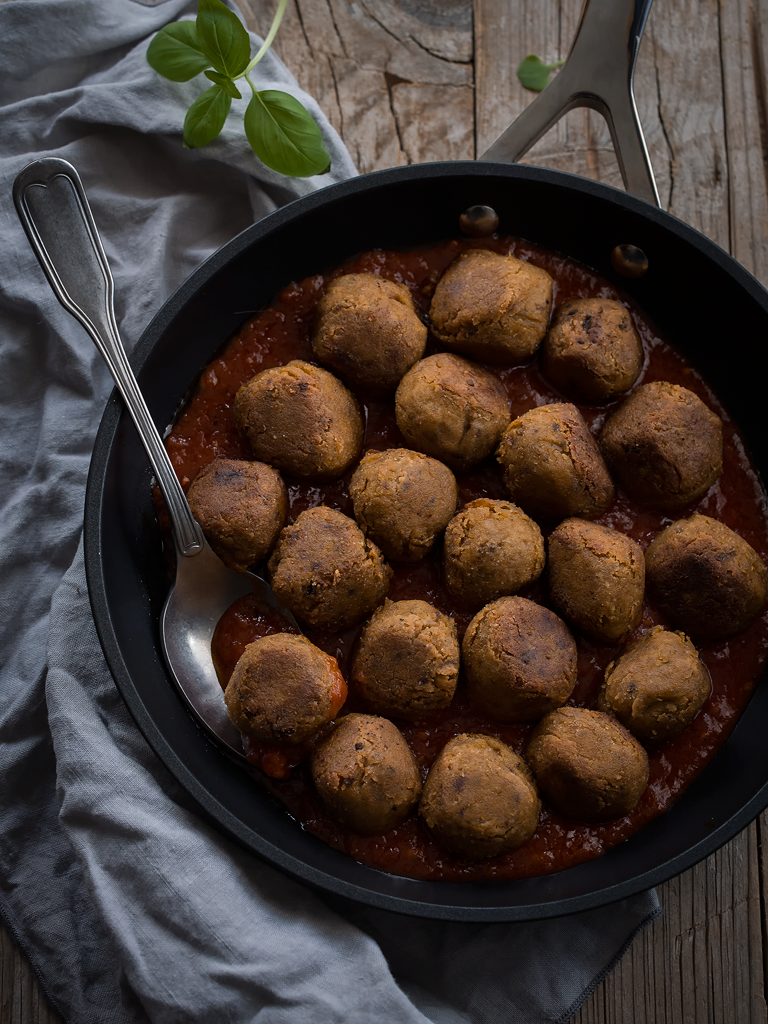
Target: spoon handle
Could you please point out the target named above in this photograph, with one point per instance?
(53, 209)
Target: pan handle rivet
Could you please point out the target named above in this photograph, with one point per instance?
(629, 261)
(479, 221)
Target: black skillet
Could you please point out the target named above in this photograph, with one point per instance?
(694, 291)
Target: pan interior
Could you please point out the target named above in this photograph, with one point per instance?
(703, 302)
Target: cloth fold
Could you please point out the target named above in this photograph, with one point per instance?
(130, 907)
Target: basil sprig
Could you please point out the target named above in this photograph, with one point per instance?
(279, 129)
(534, 73)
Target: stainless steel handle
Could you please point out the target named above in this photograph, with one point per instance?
(53, 209)
(598, 74)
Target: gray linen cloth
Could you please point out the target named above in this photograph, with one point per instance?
(129, 906)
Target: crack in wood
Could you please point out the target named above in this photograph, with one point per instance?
(665, 133)
(761, 87)
(297, 7)
(391, 81)
(593, 161)
(381, 24)
(339, 104)
(339, 36)
(714, 917)
(439, 56)
(761, 874)
(475, 111)
(729, 200)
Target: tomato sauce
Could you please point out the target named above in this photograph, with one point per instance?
(205, 431)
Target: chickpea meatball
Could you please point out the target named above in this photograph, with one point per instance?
(657, 686)
(368, 331)
(587, 765)
(407, 660)
(596, 578)
(402, 501)
(705, 578)
(519, 659)
(592, 351)
(452, 409)
(284, 689)
(241, 507)
(491, 549)
(552, 465)
(479, 799)
(493, 307)
(326, 572)
(366, 775)
(664, 446)
(300, 419)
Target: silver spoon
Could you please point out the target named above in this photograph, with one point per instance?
(53, 209)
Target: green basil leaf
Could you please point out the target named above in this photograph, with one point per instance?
(223, 37)
(226, 84)
(175, 52)
(284, 136)
(534, 73)
(206, 117)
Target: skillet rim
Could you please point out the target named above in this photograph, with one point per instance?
(212, 808)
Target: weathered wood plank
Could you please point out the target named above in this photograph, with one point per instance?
(744, 35)
(762, 855)
(506, 31)
(21, 998)
(396, 79)
(701, 962)
(683, 41)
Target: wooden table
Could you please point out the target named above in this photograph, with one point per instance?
(420, 80)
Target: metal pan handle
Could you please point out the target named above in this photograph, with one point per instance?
(598, 74)
(52, 207)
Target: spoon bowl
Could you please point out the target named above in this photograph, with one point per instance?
(202, 591)
(54, 212)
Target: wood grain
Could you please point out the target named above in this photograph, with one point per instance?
(395, 79)
(21, 998)
(412, 80)
(743, 45)
(701, 962)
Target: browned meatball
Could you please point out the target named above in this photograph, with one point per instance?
(552, 465)
(366, 775)
(596, 578)
(657, 686)
(592, 351)
(452, 409)
(492, 306)
(491, 549)
(241, 507)
(520, 660)
(326, 572)
(479, 799)
(368, 331)
(705, 578)
(664, 445)
(403, 500)
(407, 660)
(284, 688)
(301, 419)
(587, 765)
